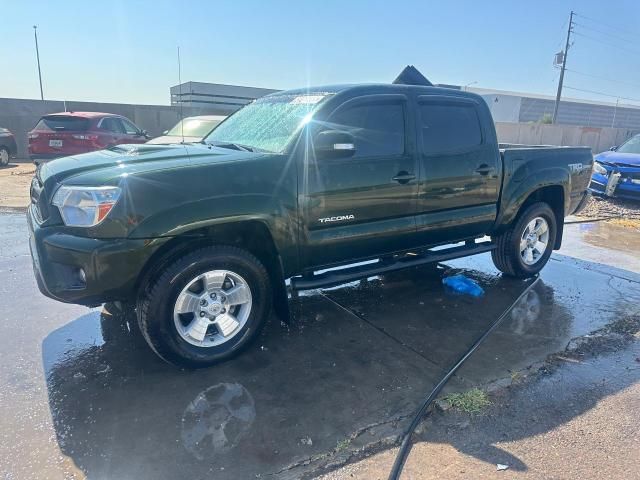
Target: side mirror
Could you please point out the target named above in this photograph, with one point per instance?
(165, 132)
(334, 144)
(614, 148)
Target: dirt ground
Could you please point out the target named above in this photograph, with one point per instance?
(14, 184)
(620, 212)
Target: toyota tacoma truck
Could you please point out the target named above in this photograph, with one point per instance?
(299, 185)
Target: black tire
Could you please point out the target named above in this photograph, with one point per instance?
(506, 256)
(155, 308)
(4, 152)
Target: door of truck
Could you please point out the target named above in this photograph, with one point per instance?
(460, 169)
(364, 205)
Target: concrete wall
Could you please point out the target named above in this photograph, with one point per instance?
(20, 115)
(598, 138)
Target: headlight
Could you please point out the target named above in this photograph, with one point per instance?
(598, 168)
(85, 206)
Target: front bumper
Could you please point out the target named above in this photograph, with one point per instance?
(111, 266)
(625, 187)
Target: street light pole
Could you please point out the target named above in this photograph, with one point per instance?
(35, 35)
(564, 64)
(468, 85)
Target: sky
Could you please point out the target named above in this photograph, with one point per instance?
(126, 51)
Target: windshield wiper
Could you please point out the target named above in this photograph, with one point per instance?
(231, 145)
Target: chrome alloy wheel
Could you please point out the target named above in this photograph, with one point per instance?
(212, 308)
(4, 156)
(534, 241)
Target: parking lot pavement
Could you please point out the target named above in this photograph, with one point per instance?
(81, 394)
(577, 421)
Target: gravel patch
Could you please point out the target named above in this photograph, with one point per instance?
(610, 207)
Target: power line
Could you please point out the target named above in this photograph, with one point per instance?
(608, 34)
(603, 78)
(637, 52)
(603, 94)
(605, 24)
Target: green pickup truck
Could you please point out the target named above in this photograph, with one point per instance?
(200, 238)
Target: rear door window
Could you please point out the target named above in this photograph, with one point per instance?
(62, 123)
(449, 127)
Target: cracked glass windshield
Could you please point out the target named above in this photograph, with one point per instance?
(267, 124)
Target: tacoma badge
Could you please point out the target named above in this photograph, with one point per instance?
(339, 218)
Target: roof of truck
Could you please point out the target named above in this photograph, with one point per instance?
(363, 87)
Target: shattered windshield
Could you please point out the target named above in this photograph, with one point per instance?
(630, 146)
(269, 123)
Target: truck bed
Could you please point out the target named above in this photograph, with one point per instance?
(521, 146)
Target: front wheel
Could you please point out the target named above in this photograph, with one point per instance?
(524, 249)
(206, 307)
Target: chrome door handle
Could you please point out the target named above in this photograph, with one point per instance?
(403, 177)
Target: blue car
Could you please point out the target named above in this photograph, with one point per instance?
(616, 173)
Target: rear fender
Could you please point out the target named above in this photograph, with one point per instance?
(522, 190)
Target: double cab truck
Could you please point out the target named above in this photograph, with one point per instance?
(200, 238)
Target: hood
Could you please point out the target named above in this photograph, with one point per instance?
(103, 166)
(619, 159)
(173, 139)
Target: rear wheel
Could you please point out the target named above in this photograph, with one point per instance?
(206, 307)
(4, 157)
(524, 249)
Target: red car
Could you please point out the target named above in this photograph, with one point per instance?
(71, 133)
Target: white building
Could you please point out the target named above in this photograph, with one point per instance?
(217, 98)
(505, 106)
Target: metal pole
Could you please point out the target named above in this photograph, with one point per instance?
(614, 112)
(564, 64)
(35, 34)
(468, 85)
(180, 94)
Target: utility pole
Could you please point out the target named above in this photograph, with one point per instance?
(35, 35)
(615, 110)
(564, 64)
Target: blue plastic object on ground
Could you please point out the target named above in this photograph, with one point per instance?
(462, 284)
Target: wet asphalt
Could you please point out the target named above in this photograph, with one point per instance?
(82, 396)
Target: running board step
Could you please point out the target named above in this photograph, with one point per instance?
(336, 277)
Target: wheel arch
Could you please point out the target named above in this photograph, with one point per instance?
(553, 195)
(251, 235)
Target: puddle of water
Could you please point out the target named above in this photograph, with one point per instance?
(307, 393)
